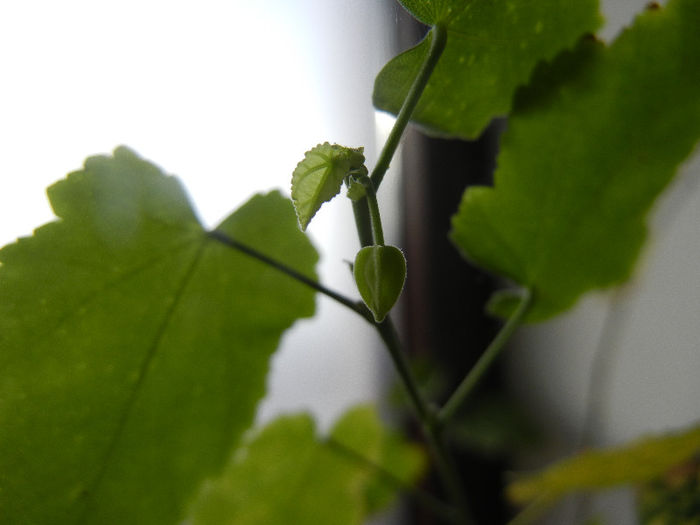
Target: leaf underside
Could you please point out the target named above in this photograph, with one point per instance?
(590, 145)
(134, 348)
(492, 48)
(319, 176)
(286, 474)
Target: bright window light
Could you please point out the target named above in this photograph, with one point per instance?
(220, 93)
(225, 94)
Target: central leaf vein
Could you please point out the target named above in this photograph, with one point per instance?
(141, 379)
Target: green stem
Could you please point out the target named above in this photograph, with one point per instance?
(468, 384)
(373, 208)
(449, 476)
(426, 415)
(374, 213)
(388, 333)
(437, 46)
(368, 225)
(360, 209)
(356, 306)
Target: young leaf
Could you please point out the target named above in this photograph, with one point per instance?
(317, 178)
(380, 273)
(591, 144)
(287, 474)
(638, 462)
(356, 190)
(134, 347)
(492, 48)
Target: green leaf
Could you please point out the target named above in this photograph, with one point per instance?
(356, 190)
(591, 144)
(638, 462)
(492, 48)
(134, 347)
(673, 498)
(492, 426)
(287, 474)
(380, 273)
(317, 178)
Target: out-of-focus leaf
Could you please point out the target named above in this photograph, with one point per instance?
(317, 178)
(287, 474)
(638, 462)
(133, 347)
(492, 426)
(674, 498)
(492, 48)
(591, 144)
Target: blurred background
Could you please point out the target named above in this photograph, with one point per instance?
(228, 95)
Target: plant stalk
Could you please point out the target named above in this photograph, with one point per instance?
(377, 230)
(360, 209)
(372, 208)
(471, 380)
(389, 335)
(427, 417)
(367, 228)
(356, 306)
(437, 46)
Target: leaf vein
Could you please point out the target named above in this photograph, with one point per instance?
(143, 373)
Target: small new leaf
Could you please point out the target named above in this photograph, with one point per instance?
(356, 190)
(380, 273)
(318, 178)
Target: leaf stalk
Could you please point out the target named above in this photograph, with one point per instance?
(474, 376)
(356, 306)
(437, 46)
(431, 430)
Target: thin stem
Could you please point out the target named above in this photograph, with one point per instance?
(374, 213)
(366, 208)
(360, 209)
(356, 306)
(468, 384)
(449, 475)
(437, 46)
(388, 333)
(427, 417)
(373, 208)
(427, 500)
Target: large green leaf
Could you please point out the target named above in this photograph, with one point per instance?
(287, 474)
(133, 347)
(492, 48)
(637, 462)
(592, 142)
